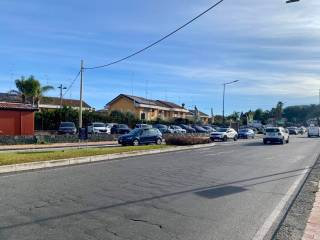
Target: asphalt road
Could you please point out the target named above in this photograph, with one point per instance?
(225, 192)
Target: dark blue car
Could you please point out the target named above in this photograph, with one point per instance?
(141, 136)
(246, 133)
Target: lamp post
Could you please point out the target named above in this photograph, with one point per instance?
(223, 96)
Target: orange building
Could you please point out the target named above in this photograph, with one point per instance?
(147, 109)
(16, 119)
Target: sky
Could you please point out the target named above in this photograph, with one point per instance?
(273, 48)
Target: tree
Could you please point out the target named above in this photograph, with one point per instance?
(30, 88)
(279, 111)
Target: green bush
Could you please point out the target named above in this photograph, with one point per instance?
(181, 140)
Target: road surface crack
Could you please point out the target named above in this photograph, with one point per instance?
(147, 222)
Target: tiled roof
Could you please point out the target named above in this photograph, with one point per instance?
(65, 102)
(169, 104)
(141, 100)
(201, 114)
(17, 106)
(7, 97)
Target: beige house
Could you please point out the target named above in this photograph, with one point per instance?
(147, 109)
(196, 115)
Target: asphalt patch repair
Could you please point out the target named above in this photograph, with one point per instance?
(294, 223)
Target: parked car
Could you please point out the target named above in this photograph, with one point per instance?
(67, 128)
(209, 128)
(199, 129)
(142, 125)
(163, 128)
(224, 134)
(177, 129)
(276, 134)
(246, 133)
(120, 129)
(109, 126)
(187, 128)
(293, 130)
(141, 136)
(98, 127)
(302, 130)
(313, 131)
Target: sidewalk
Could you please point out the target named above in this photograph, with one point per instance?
(55, 145)
(312, 230)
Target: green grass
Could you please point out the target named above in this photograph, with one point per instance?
(26, 157)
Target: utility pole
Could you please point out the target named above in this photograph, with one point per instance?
(61, 89)
(80, 107)
(223, 96)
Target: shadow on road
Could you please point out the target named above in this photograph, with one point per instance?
(210, 192)
(220, 192)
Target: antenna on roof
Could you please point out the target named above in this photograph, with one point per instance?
(147, 83)
(132, 75)
(165, 94)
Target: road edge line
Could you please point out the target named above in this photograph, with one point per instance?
(12, 168)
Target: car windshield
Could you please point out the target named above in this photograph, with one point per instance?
(244, 130)
(122, 126)
(222, 129)
(67, 124)
(272, 130)
(99, 125)
(135, 131)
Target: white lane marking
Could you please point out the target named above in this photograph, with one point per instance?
(218, 153)
(264, 229)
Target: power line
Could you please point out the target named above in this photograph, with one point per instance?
(70, 86)
(158, 41)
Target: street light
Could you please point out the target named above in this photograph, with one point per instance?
(224, 92)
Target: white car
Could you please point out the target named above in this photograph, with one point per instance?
(313, 131)
(224, 134)
(177, 129)
(98, 127)
(276, 134)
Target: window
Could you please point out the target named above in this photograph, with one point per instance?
(143, 116)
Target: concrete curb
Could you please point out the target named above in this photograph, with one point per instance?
(82, 160)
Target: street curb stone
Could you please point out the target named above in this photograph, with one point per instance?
(81, 160)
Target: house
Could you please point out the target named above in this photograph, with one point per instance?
(147, 109)
(16, 118)
(198, 116)
(48, 103)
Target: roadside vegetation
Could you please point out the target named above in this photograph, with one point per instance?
(181, 140)
(9, 158)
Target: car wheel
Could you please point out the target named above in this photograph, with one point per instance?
(135, 142)
(225, 138)
(235, 138)
(287, 140)
(159, 141)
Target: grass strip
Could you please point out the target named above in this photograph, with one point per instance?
(27, 157)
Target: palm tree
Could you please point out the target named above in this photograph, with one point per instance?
(279, 110)
(30, 88)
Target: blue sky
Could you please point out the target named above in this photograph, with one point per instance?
(273, 48)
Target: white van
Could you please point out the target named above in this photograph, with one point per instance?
(313, 131)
